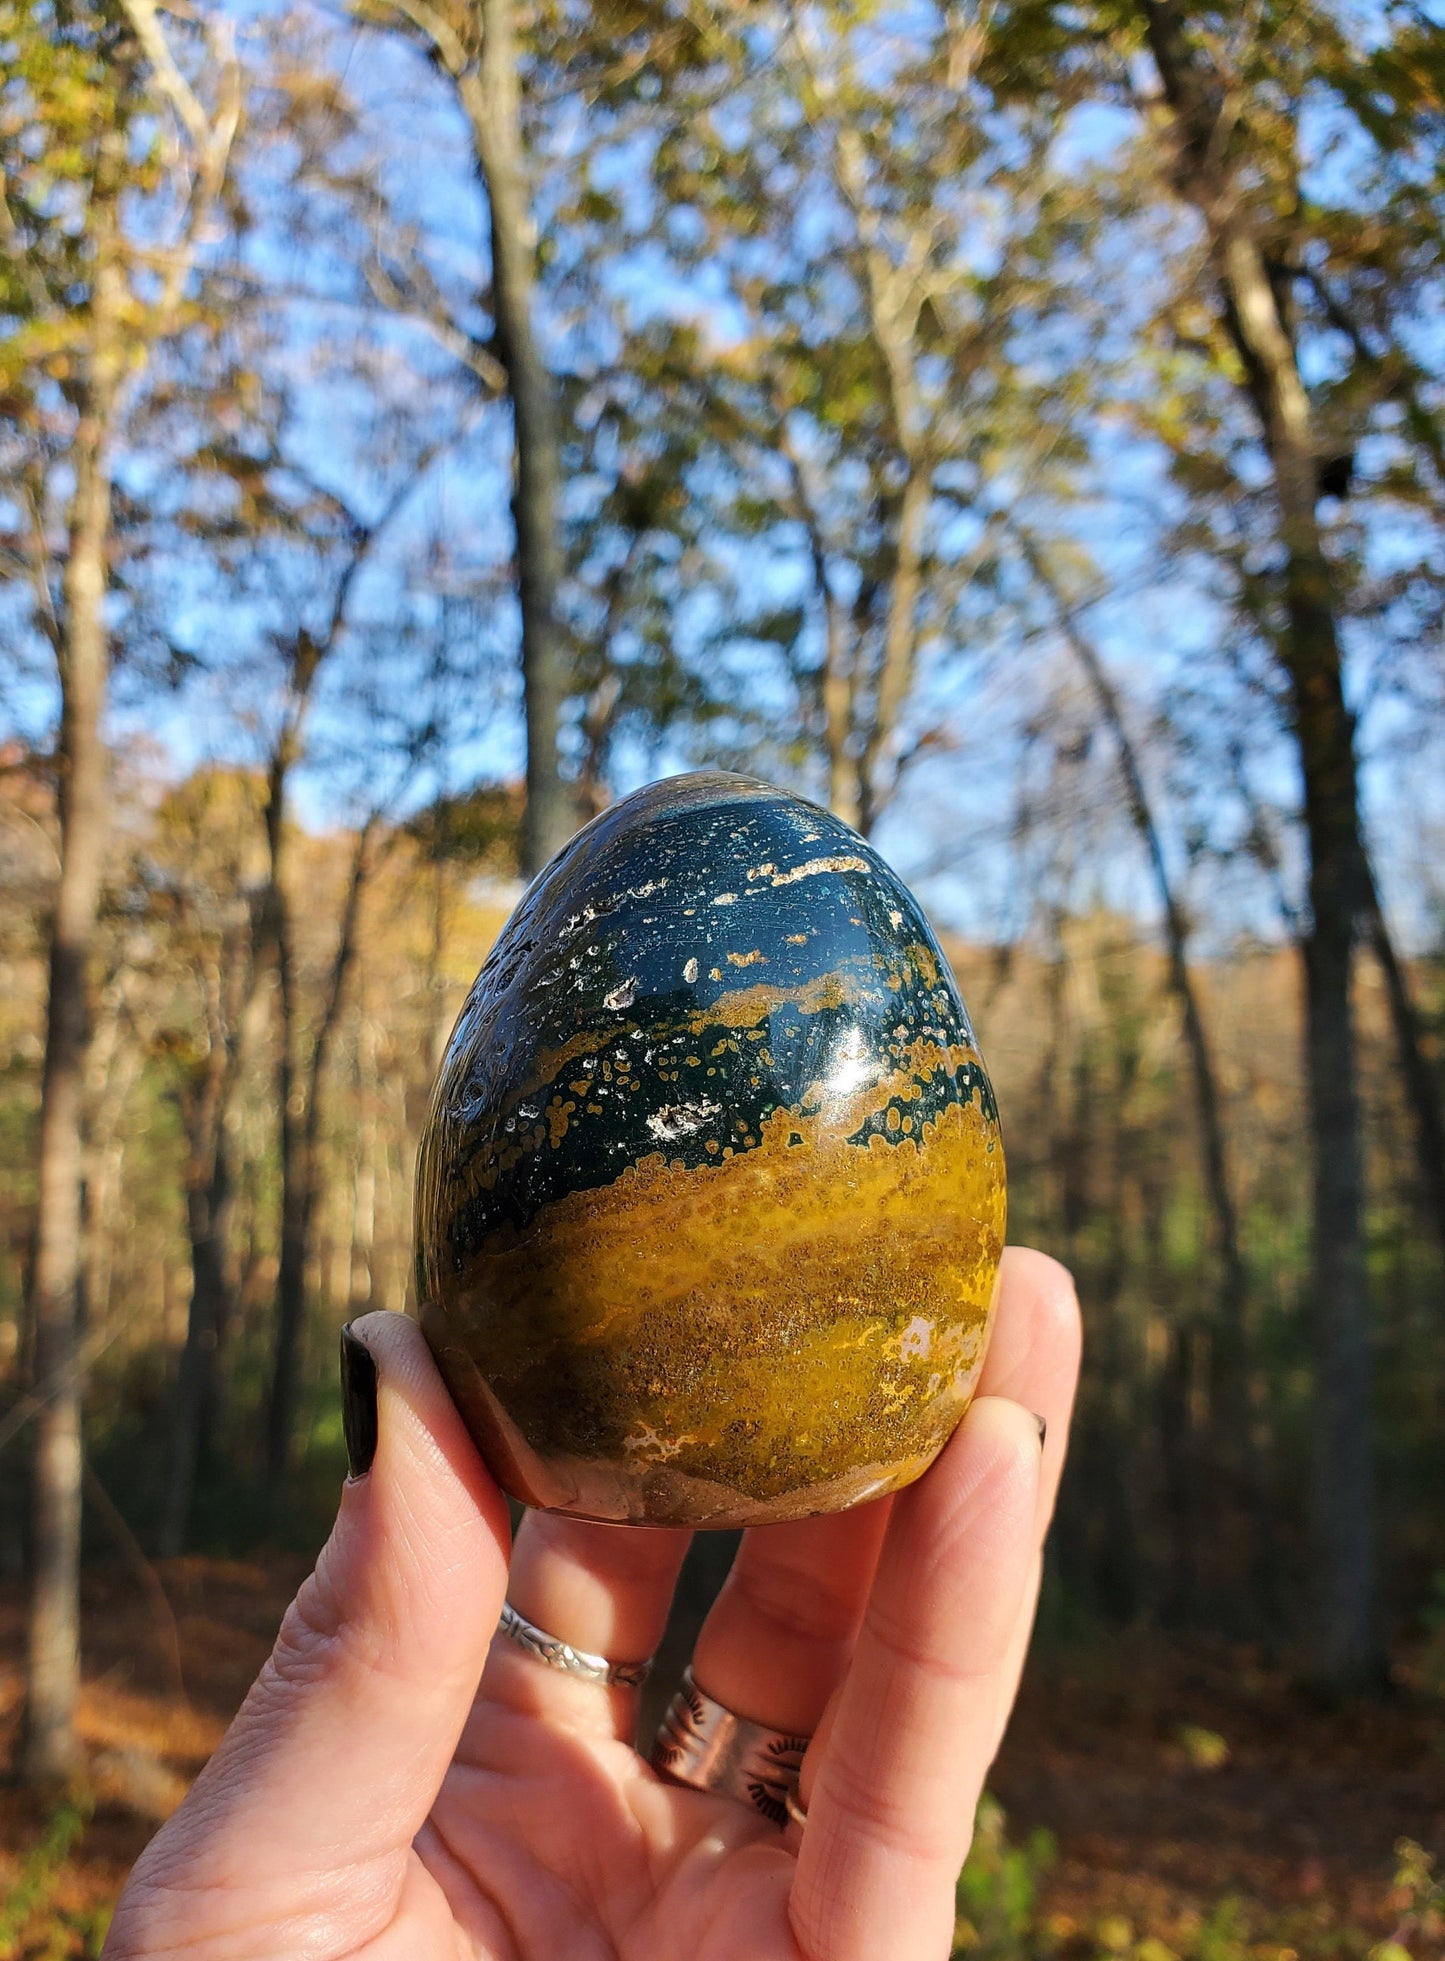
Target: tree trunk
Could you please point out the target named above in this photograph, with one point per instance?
(51, 1746)
(295, 1209)
(360, 1276)
(1346, 1635)
(1347, 1638)
(492, 100)
(209, 1200)
(300, 1140)
(234, 1012)
(1230, 1339)
(838, 686)
(838, 721)
(1344, 1621)
(1421, 1089)
(1224, 1222)
(900, 641)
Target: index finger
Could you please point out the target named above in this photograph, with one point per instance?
(1033, 1355)
(892, 1803)
(893, 1779)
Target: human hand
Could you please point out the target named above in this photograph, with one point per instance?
(401, 1786)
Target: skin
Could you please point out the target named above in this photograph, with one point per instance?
(399, 1785)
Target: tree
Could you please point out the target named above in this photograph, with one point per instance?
(1232, 1369)
(476, 47)
(825, 461)
(316, 533)
(1261, 411)
(205, 880)
(77, 180)
(1214, 153)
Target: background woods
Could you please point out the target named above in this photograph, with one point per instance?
(1021, 427)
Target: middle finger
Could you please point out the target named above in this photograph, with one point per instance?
(780, 1633)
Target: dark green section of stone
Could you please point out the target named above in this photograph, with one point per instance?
(601, 948)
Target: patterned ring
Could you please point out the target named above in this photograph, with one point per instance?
(706, 1746)
(544, 1647)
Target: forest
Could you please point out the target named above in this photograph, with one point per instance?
(1018, 425)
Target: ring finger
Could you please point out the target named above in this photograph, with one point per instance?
(603, 1589)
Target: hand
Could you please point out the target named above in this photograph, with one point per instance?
(401, 1787)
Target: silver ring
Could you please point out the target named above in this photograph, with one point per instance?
(544, 1647)
(793, 1804)
(704, 1745)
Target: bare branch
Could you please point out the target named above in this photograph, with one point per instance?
(444, 43)
(38, 560)
(420, 300)
(176, 89)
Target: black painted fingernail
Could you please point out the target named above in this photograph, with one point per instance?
(1043, 1423)
(358, 1402)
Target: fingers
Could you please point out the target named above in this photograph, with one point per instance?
(894, 1774)
(336, 1756)
(602, 1588)
(780, 1634)
(892, 1799)
(1034, 1359)
(778, 1640)
(1033, 1355)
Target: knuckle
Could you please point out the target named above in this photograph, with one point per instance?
(321, 1637)
(797, 1605)
(865, 1809)
(310, 1638)
(908, 1647)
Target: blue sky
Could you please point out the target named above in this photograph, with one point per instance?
(952, 828)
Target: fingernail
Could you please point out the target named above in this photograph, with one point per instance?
(1043, 1423)
(358, 1402)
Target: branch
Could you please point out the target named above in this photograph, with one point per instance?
(420, 300)
(443, 42)
(893, 291)
(366, 534)
(839, 676)
(1393, 370)
(176, 89)
(38, 559)
(1206, 1083)
(212, 142)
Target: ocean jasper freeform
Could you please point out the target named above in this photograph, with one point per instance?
(711, 1195)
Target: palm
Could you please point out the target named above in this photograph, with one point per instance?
(402, 1786)
(543, 1844)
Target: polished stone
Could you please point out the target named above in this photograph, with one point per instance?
(711, 1195)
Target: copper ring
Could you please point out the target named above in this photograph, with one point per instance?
(544, 1647)
(705, 1745)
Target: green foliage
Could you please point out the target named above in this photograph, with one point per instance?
(31, 1924)
(1003, 1915)
(480, 830)
(1204, 1748)
(998, 1891)
(73, 76)
(1223, 1935)
(1419, 1899)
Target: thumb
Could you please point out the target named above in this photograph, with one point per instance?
(332, 1764)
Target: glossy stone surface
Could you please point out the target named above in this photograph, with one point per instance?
(711, 1195)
